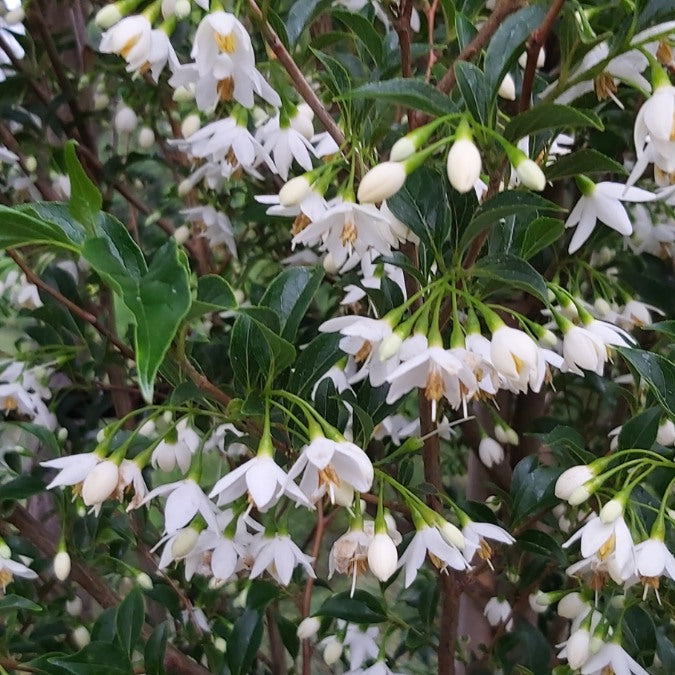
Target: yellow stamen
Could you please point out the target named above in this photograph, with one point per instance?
(364, 352)
(226, 43)
(349, 233)
(225, 87)
(518, 363)
(128, 46)
(434, 389)
(5, 577)
(10, 404)
(300, 223)
(604, 86)
(608, 547)
(664, 53)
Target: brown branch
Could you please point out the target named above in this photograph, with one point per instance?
(537, 41)
(307, 595)
(301, 84)
(75, 309)
(203, 382)
(34, 532)
(403, 30)
(431, 20)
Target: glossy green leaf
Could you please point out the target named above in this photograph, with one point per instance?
(408, 92)
(473, 87)
(85, 198)
(509, 203)
(97, 658)
(508, 42)
(290, 294)
(512, 271)
(22, 487)
(582, 161)
(363, 30)
(640, 432)
(19, 227)
(540, 233)
(58, 215)
(244, 641)
(299, 15)
(129, 619)
(657, 371)
(11, 603)
(639, 634)
(155, 649)
(313, 361)
(362, 608)
(214, 294)
(550, 116)
(666, 327)
(541, 543)
(532, 488)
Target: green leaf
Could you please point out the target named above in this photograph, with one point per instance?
(474, 90)
(582, 161)
(532, 488)
(11, 603)
(58, 215)
(513, 271)
(657, 371)
(97, 658)
(290, 294)
(155, 648)
(408, 92)
(85, 198)
(129, 619)
(639, 633)
(541, 543)
(666, 327)
(244, 641)
(640, 432)
(508, 41)
(362, 608)
(550, 116)
(504, 204)
(22, 487)
(104, 628)
(45, 436)
(299, 15)
(524, 650)
(18, 228)
(214, 294)
(314, 360)
(363, 30)
(540, 233)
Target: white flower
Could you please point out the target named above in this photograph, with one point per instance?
(100, 484)
(347, 228)
(284, 143)
(602, 201)
(612, 658)
(498, 611)
(218, 437)
(177, 447)
(463, 164)
(490, 451)
(665, 434)
(61, 565)
(475, 535)
(382, 556)
(381, 182)
(583, 350)
(349, 554)
(429, 540)
(72, 469)
(573, 605)
(654, 131)
(180, 545)
(440, 372)
(131, 477)
(130, 38)
(577, 649)
(653, 560)
(327, 463)
(215, 226)
(602, 540)
(185, 499)
(10, 568)
(514, 354)
(571, 479)
(507, 88)
(264, 481)
(308, 628)
(279, 556)
(362, 644)
(636, 313)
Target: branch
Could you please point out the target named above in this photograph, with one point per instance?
(99, 589)
(75, 309)
(537, 41)
(301, 84)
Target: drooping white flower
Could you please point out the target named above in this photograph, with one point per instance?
(475, 536)
(490, 451)
(217, 440)
(382, 556)
(362, 644)
(99, 484)
(130, 477)
(652, 561)
(326, 464)
(177, 447)
(571, 479)
(429, 540)
(284, 143)
(381, 182)
(349, 554)
(653, 133)
(73, 469)
(264, 481)
(612, 657)
(279, 555)
(583, 350)
(498, 611)
(515, 355)
(602, 201)
(10, 569)
(214, 226)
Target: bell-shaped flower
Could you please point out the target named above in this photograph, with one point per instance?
(177, 447)
(490, 451)
(498, 611)
(654, 129)
(130, 38)
(602, 202)
(382, 556)
(10, 569)
(279, 555)
(515, 355)
(73, 469)
(475, 540)
(652, 561)
(362, 644)
(612, 657)
(583, 350)
(284, 143)
(131, 478)
(349, 554)
(213, 225)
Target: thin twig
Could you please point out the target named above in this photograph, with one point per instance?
(307, 595)
(301, 84)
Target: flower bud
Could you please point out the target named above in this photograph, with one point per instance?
(62, 565)
(329, 264)
(182, 94)
(62, 435)
(490, 452)
(549, 338)
(332, 651)
(184, 542)
(666, 433)
(181, 234)
(5, 551)
(597, 643)
(15, 16)
(602, 307)
(571, 606)
(390, 346)
(507, 89)
(381, 182)
(402, 149)
(126, 120)
(512, 436)
(308, 628)
(500, 433)
(190, 124)
(452, 534)
(463, 165)
(571, 479)
(146, 137)
(101, 100)
(294, 191)
(303, 125)
(382, 556)
(100, 483)
(184, 187)
(31, 164)
(578, 648)
(305, 110)
(81, 637)
(579, 495)
(541, 59)
(74, 606)
(144, 581)
(107, 16)
(182, 10)
(531, 175)
(535, 604)
(220, 644)
(612, 510)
